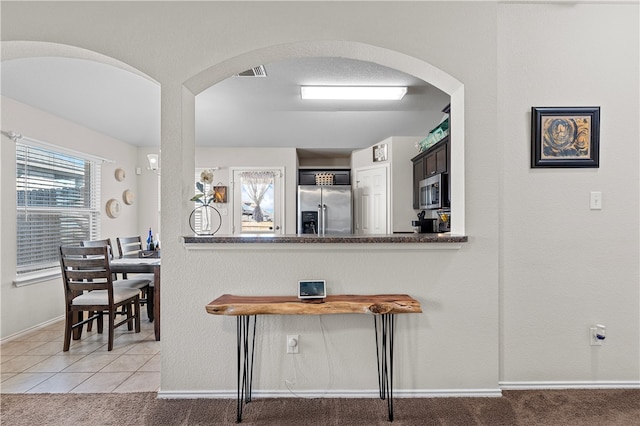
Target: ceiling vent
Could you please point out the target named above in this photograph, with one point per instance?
(258, 71)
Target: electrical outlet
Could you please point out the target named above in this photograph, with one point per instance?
(293, 344)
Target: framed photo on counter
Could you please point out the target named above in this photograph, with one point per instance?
(565, 137)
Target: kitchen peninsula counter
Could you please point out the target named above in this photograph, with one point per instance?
(400, 238)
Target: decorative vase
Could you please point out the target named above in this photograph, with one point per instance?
(205, 220)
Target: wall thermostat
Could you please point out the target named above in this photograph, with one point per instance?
(312, 289)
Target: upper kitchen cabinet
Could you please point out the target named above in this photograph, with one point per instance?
(434, 160)
(312, 162)
(428, 163)
(308, 176)
(437, 159)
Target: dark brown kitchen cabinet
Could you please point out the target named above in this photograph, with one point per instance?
(418, 175)
(436, 160)
(308, 176)
(430, 162)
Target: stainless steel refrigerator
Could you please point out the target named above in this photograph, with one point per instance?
(324, 210)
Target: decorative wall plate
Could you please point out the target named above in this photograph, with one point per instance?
(120, 174)
(113, 208)
(128, 197)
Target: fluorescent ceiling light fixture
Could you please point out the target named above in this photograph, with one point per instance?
(368, 93)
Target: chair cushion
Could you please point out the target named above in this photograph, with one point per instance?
(100, 297)
(148, 277)
(131, 283)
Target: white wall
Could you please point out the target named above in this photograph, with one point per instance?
(44, 301)
(228, 158)
(565, 267)
(324, 162)
(148, 196)
(513, 304)
(462, 307)
(363, 157)
(403, 149)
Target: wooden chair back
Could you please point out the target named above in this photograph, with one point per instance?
(99, 243)
(129, 246)
(85, 269)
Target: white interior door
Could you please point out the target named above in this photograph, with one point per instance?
(371, 201)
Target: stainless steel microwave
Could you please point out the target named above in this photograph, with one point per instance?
(433, 192)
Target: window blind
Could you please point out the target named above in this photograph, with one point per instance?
(58, 203)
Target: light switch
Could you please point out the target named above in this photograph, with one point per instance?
(596, 200)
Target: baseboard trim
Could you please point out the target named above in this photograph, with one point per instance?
(430, 393)
(418, 393)
(35, 327)
(621, 384)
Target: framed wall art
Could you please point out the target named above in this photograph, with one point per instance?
(565, 137)
(220, 194)
(380, 152)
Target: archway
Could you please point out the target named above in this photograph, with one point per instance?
(28, 49)
(94, 91)
(45, 128)
(363, 52)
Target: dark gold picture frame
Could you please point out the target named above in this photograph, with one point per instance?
(565, 137)
(220, 194)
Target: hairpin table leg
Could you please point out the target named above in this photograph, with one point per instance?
(384, 356)
(246, 350)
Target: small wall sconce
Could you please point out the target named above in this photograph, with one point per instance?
(154, 163)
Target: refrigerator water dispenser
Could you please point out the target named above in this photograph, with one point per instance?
(309, 222)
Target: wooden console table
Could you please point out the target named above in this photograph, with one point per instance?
(382, 306)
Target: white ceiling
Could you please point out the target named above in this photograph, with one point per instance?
(239, 111)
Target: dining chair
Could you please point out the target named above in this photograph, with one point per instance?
(140, 282)
(89, 286)
(132, 247)
(100, 243)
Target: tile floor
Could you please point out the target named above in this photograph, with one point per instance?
(34, 362)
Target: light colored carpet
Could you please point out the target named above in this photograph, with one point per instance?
(552, 408)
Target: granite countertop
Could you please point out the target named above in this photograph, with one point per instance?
(331, 239)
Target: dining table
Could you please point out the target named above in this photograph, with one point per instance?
(137, 265)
